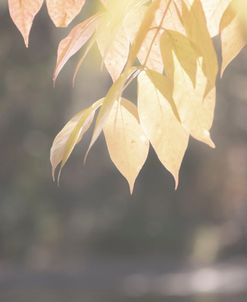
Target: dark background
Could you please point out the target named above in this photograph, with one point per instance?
(89, 240)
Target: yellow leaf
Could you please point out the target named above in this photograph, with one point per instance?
(22, 13)
(214, 10)
(113, 95)
(141, 34)
(127, 145)
(172, 20)
(70, 135)
(62, 12)
(165, 133)
(164, 86)
(233, 37)
(195, 110)
(172, 41)
(195, 24)
(116, 55)
(78, 36)
(112, 33)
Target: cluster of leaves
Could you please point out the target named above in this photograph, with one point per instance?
(167, 46)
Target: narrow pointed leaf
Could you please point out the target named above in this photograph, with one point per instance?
(22, 13)
(127, 145)
(78, 36)
(113, 95)
(62, 12)
(70, 135)
(164, 86)
(214, 10)
(195, 24)
(172, 41)
(168, 138)
(195, 110)
(233, 37)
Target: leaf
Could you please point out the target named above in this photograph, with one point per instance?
(195, 24)
(62, 12)
(172, 41)
(70, 135)
(127, 145)
(214, 10)
(113, 95)
(141, 34)
(233, 37)
(112, 33)
(22, 13)
(195, 110)
(115, 55)
(165, 133)
(78, 36)
(164, 86)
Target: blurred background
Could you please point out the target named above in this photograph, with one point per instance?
(89, 240)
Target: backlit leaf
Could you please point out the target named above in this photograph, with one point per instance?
(233, 37)
(113, 95)
(195, 24)
(127, 145)
(62, 12)
(70, 135)
(168, 138)
(78, 36)
(195, 110)
(22, 13)
(172, 41)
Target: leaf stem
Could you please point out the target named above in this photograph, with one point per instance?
(157, 32)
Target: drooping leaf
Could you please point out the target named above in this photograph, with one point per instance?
(195, 110)
(62, 12)
(168, 138)
(233, 37)
(195, 24)
(214, 10)
(127, 145)
(174, 42)
(22, 13)
(141, 34)
(112, 34)
(116, 56)
(113, 95)
(78, 36)
(164, 85)
(70, 135)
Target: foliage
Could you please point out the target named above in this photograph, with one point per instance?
(167, 46)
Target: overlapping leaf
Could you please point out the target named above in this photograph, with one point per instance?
(168, 138)
(233, 37)
(127, 145)
(62, 12)
(78, 36)
(195, 24)
(70, 135)
(195, 110)
(22, 13)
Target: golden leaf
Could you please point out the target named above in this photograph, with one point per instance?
(214, 10)
(195, 24)
(113, 95)
(233, 37)
(78, 36)
(22, 13)
(195, 110)
(70, 135)
(168, 138)
(173, 41)
(127, 145)
(62, 12)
